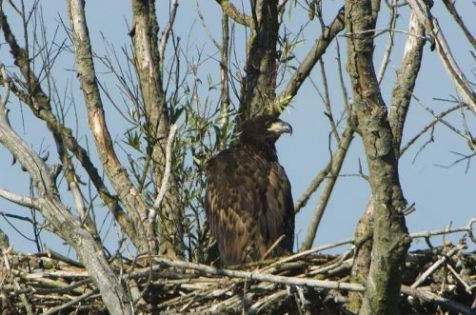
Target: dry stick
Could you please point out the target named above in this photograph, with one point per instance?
(23, 298)
(422, 294)
(468, 229)
(431, 297)
(249, 275)
(436, 265)
(337, 161)
(461, 280)
(62, 307)
(432, 27)
(168, 167)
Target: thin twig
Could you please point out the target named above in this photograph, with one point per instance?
(249, 275)
(165, 36)
(60, 308)
(168, 167)
(431, 24)
(436, 265)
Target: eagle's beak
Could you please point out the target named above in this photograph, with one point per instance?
(280, 127)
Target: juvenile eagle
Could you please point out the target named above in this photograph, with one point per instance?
(249, 202)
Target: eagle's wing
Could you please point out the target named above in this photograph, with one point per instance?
(231, 200)
(278, 211)
(249, 205)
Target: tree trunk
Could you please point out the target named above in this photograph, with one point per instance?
(390, 240)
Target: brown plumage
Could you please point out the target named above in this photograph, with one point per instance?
(249, 201)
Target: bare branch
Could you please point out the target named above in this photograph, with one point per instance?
(431, 25)
(406, 78)
(19, 200)
(230, 10)
(450, 5)
(443, 259)
(313, 56)
(388, 49)
(57, 214)
(165, 36)
(168, 167)
(336, 166)
(258, 276)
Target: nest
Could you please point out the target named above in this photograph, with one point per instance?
(434, 280)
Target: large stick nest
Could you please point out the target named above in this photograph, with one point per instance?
(443, 278)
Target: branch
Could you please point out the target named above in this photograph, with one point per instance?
(450, 5)
(406, 78)
(316, 182)
(390, 237)
(59, 309)
(40, 106)
(313, 56)
(336, 165)
(168, 167)
(437, 118)
(443, 259)
(431, 25)
(19, 200)
(388, 49)
(258, 276)
(165, 36)
(231, 11)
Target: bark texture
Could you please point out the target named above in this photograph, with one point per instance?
(148, 62)
(390, 240)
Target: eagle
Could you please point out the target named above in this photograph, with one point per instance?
(249, 205)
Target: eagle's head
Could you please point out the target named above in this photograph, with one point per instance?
(263, 129)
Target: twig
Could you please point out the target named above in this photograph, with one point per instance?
(57, 256)
(316, 182)
(336, 166)
(165, 179)
(437, 119)
(166, 34)
(388, 49)
(248, 275)
(468, 229)
(436, 265)
(16, 285)
(431, 24)
(306, 253)
(450, 5)
(461, 280)
(83, 297)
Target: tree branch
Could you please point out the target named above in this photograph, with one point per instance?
(432, 27)
(337, 161)
(312, 57)
(57, 214)
(406, 78)
(231, 11)
(390, 237)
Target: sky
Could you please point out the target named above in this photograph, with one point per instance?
(442, 196)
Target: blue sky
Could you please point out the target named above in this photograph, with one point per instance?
(441, 195)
